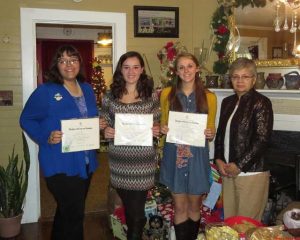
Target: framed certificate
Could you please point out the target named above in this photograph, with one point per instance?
(187, 128)
(133, 129)
(80, 134)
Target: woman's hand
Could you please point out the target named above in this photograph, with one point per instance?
(221, 167)
(156, 130)
(164, 129)
(109, 132)
(55, 137)
(209, 134)
(232, 169)
(102, 123)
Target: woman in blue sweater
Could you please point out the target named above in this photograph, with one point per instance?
(68, 175)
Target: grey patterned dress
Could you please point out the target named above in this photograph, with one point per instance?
(131, 167)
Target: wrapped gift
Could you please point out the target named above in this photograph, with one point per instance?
(119, 229)
(167, 213)
(150, 208)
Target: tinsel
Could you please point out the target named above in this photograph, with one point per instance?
(98, 82)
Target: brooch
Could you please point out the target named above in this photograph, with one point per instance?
(58, 97)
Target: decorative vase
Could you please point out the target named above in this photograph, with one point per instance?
(292, 80)
(10, 227)
(225, 81)
(274, 81)
(212, 81)
(260, 80)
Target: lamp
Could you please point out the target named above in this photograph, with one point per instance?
(104, 38)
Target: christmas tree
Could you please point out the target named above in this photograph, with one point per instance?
(98, 82)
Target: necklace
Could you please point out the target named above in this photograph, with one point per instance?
(77, 92)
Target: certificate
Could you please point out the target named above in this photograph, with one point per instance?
(187, 128)
(80, 134)
(133, 129)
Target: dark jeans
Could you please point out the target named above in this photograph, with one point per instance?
(134, 204)
(70, 193)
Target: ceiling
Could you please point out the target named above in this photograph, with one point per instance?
(260, 17)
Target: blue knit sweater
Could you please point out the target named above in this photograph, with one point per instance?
(46, 107)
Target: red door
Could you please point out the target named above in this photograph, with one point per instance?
(46, 48)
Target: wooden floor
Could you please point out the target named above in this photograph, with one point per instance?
(97, 196)
(96, 227)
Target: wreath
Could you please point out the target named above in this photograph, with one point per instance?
(220, 26)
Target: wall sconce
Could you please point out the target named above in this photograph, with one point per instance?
(104, 39)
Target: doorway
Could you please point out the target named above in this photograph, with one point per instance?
(29, 18)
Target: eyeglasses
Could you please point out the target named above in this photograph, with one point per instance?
(243, 77)
(71, 61)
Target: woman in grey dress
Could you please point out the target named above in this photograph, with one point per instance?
(132, 168)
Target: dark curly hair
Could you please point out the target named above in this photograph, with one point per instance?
(53, 75)
(144, 85)
(200, 90)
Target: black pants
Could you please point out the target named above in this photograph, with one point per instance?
(134, 204)
(70, 193)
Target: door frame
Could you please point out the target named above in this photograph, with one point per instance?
(29, 18)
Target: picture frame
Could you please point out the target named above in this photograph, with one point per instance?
(156, 22)
(277, 52)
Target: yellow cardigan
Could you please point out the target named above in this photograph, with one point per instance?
(211, 101)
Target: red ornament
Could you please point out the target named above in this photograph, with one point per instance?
(221, 55)
(169, 44)
(222, 29)
(171, 54)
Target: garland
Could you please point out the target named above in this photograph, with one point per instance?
(253, 3)
(221, 30)
(220, 26)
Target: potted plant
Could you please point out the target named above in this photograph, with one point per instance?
(13, 187)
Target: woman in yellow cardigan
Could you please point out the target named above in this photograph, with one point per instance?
(185, 169)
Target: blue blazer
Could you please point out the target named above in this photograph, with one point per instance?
(46, 107)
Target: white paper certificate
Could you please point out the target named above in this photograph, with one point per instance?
(133, 129)
(80, 134)
(187, 128)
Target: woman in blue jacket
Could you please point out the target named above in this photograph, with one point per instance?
(68, 175)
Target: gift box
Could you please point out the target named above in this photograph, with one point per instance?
(150, 208)
(119, 229)
(167, 213)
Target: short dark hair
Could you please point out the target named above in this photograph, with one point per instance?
(53, 75)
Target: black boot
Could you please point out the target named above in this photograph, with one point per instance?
(193, 229)
(181, 230)
(135, 232)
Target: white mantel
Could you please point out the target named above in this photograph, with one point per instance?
(280, 93)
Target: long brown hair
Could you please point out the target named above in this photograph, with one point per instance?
(145, 83)
(200, 90)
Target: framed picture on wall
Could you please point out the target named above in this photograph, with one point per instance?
(277, 52)
(160, 22)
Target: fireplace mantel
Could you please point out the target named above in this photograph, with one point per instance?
(280, 93)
